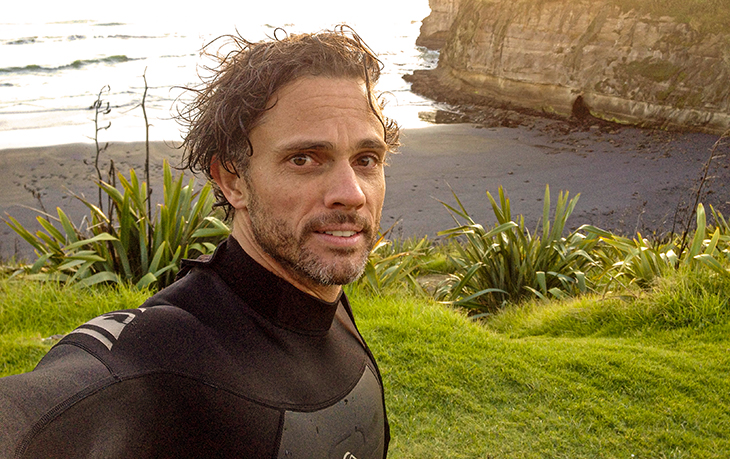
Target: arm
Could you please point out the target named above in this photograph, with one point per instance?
(28, 402)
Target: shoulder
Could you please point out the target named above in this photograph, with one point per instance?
(110, 371)
(137, 341)
(198, 284)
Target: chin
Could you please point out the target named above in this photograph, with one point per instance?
(334, 272)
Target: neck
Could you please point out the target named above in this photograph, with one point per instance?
(245, 239)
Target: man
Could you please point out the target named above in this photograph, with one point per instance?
(253, 353)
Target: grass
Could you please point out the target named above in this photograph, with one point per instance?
(555, 379)
(690, 299)
(644, 375)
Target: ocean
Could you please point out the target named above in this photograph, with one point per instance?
(56, 58)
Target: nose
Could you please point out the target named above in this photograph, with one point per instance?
(344, 188)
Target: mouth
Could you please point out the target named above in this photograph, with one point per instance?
(339, 229)
(341, 233)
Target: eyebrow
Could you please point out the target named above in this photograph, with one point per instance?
(365, 144)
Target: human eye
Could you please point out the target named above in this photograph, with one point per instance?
(301, 159)
(368, 160)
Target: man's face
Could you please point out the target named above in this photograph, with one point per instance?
(315, 182)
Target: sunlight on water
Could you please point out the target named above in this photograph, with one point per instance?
(57, 56)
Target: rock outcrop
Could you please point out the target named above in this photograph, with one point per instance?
(435, 27)
(582, 58)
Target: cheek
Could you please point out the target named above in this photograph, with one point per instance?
(275, 195)
(290, 206)
(376, 193)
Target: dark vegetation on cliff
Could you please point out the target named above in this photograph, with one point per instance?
(711, 16)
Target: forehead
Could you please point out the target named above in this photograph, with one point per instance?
(310, 100)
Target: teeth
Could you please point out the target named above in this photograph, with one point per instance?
(341, 233)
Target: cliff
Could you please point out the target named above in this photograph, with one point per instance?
(574, 57)
(435, 27)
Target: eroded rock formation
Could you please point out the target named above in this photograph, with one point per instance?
(544, 55)
(435, 27)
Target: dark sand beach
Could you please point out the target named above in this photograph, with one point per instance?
(629, 179)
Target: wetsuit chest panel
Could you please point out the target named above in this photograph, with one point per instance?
(351, 428)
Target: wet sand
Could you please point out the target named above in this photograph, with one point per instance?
(629, 179)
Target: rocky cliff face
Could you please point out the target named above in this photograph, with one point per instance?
(578, 56)
(435, 27)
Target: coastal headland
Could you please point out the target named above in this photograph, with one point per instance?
(649, 64)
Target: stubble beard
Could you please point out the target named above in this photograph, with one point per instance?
(290, 251)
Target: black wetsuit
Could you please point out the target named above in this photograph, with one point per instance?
(230, 361)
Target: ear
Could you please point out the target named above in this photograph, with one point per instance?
(233, 187)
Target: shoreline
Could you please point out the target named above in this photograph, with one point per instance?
(629, 179)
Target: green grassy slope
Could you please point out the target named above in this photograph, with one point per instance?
(460, 390)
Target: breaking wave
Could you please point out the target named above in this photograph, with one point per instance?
(77, 64)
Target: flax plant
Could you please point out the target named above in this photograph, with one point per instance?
(394, 265)
(141, 249)
(722, 253)
(509, 264)
(638, 261)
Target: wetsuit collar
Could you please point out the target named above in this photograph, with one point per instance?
(269, 295)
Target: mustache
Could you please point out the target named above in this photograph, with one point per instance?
(338, 217)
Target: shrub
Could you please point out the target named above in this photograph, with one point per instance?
(141, 249)
(509, 264)
(640, 262)
(392, 265)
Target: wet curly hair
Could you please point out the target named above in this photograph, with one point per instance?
(233, 98)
